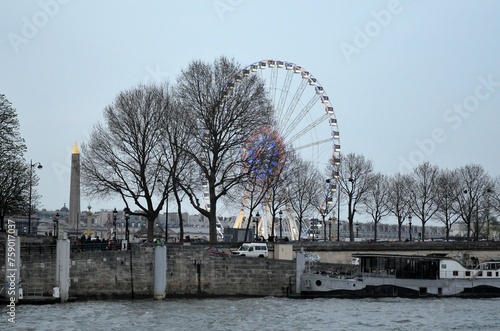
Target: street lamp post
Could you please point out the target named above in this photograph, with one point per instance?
(32, 165)
(338, 214)
(126, 212)
(89, 220)
(330, 220)
(313, 228)
(281, 224)
(488, 192)
(56, 225)
(256, 221)
(166, 221)
(409, 220)
(350, 212)
(324, 212)
(115, 214)
(357, 229)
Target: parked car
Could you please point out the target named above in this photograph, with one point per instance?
(252, 250)
(114, 245)
(216, 251)
(198, 240)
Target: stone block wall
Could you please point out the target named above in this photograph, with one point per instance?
(192, 271)
(111, 274)
(38, 272)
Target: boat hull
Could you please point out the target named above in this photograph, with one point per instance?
(318, 285)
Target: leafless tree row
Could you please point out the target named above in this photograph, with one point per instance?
(209, 139)
(466, 194)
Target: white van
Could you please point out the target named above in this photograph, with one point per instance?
(252, 250)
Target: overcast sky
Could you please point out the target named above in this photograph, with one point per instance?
(410, 81)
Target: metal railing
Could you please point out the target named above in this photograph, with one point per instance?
(33, 291)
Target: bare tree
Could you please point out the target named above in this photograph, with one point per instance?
(252, 191)
(494, 204)
(14, 172)
(265, 166)
(325, 202)
(422, 193)
(265, 162)
(276, 200)
(354, 183)
(474, 183)
(177, 166)
(125, 155)
(303, 190)
(495, 196)
(447, 189)
(486, 203)
(330, 203)
(376, 200)
(398, 199)
(224, 109)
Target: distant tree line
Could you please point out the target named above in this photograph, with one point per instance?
(466, 194)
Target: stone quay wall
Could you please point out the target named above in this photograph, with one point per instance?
(192, 272)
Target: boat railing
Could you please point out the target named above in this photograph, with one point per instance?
(485, 272)
(375, 272)
(341, 273)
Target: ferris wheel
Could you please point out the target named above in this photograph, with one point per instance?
(305, 122)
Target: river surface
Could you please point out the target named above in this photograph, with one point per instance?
(267, 313)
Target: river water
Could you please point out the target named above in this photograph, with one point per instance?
(267, 313)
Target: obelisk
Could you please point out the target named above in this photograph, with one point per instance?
(74, 189)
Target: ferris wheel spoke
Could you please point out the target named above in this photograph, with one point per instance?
(295, 101)
(305, 110)
(315, 143)
(308, 128)
(284, 95)
(274, 80)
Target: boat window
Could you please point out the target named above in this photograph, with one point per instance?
(467, 273)
(455, 273)
(443, 266)
(489, 274)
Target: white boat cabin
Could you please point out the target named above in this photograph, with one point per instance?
(453, 269)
